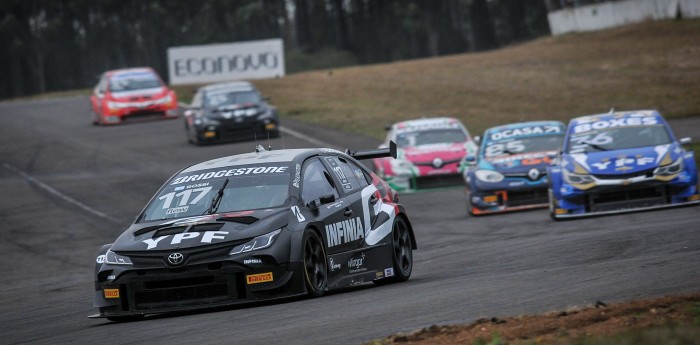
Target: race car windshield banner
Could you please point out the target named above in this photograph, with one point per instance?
(221, 190)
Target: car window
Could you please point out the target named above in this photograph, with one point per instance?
(221, 98)
(315, 183)
(351, 178)
(133, 81)
(429, 137)
(243, 188)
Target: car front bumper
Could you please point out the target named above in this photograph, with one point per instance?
(570, 202)
(161, 290)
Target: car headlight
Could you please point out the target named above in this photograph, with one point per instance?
(572, 178)
(166, 99)
(259, 242)
(490, 176)
(671, 169)
(113, 258)
(203, 120)
(251, 112)
(117, 105)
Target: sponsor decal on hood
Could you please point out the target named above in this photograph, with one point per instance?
(624, 161)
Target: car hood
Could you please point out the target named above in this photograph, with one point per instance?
(215, 229)
(621, 162)
(427, 153)
(519, 163)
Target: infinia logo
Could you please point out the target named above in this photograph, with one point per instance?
(345, 231)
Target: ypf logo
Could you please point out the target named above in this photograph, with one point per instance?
(176, 259)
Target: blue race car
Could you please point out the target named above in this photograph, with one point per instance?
(619, 162)
(509, 172)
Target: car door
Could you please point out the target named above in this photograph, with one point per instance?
(319, 194)
(350, 181)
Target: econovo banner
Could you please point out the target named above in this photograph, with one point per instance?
(223, 62)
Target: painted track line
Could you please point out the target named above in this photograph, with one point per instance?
(306, 138)
(60, 195)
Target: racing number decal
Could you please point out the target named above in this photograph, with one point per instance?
(514, 146)
(297, 213)
(583, 141)
(184, 197)
(339, 173)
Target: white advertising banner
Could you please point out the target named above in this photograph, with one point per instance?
(225, 62)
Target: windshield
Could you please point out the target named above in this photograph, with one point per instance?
(133, 81)
(194, 194)
(618, 138)
(219, 99)
(433, 136)
(523, 145)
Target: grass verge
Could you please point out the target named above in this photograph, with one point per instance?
(649, 65)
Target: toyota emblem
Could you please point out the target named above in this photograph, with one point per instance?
(176, 259)
(533, 174)
(437, 162)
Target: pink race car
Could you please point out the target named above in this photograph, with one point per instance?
(130, 93)
(431, 154)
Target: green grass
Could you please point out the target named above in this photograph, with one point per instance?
(651, 65)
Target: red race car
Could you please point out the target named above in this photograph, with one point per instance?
(133, 92)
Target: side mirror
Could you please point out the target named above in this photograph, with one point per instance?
(471, 160)
(327, 199)
(387, 128)
(312, 205)
(266, 98)
(685, 141)
(477, 139)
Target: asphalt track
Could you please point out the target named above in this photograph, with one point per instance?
(67, 187)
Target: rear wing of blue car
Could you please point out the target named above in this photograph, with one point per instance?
(375, 153)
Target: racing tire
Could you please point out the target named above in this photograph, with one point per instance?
(551, 205)
(95, 118)
(129, 318)
(402, 253)
(192, 137)
(470, 207)
(315, 264)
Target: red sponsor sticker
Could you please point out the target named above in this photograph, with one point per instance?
(259, 278)
(111, 293)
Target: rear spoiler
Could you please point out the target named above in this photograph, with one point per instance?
(376, 153)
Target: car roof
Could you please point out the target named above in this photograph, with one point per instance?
(615, 114)
(124, 71)
(525, 124)
(427, 124)
(229, 86)
(274, 156)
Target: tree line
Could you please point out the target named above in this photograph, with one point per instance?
(57, 45)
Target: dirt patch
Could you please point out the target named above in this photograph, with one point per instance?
(599, 319)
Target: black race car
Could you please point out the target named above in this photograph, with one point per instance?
(229, 111)
(256, 227)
